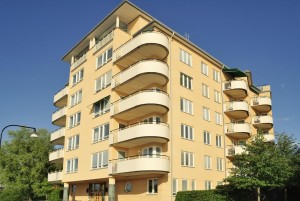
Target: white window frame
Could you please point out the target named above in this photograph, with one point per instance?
(100, 162)
(101, 134)
(186, 81)
(73, 142)
(152, 152)
(216, 76)
(187, 159)
(208, 185)
(153, 181)
(186, 106)
(72, 165)
(184, 182)
(205, 90)
(206, 114)
(218, 118)
(76, 98)
(174, 186)
(219, 141)
(217, 96)
(220, 164)
(193, 185)
(104, 106)
(207, 162)
(74, 120)
(185, 57)
(103, 81)
(204, 69)
(207, 137)
(77, 77)
(187, 132)
(105, 57)
(153, 119)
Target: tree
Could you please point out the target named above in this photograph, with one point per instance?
(264, 164)
(24, 165)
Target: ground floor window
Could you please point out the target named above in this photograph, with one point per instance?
(152, 186)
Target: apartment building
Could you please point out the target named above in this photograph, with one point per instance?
(147, 113)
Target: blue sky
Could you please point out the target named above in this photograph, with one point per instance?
(261, 36)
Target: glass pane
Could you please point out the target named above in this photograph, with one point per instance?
(109, 53)
(105, 158)
(150, 184)
(106, 130)
(94, 163)
(155, 185)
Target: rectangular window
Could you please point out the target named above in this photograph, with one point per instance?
(217, 96)
(194, 186)
(152, 186)
(220, 164)
(153, 119)
(100, 160)
(205, 91)
(206, 114)
(104, 58)
(218, 118)
(185, 57)
(150, 152)
(76, 98)
(206, 136)
(184, 185)
(73, 142)
(103, 81)
(186, 81)
(174, 186)
(187, 159)
(207, 162)
(74, 120)
(102, 106)
(77, 77)
(101, 132)
(216, 75)
(204, 69)
(218, 140)
(72, 165)
(187, 132)
(186, 106)
(207, 185)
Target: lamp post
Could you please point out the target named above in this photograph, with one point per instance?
(33, 135)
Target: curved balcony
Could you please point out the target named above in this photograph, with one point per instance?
(61, 98)
(141, 75)
(139, 104)
(138, 165)
(55, 177)
(57, 156)
(235, 88)
(262, 122)
(234, 150)
(261, 104)
(238, 130)
(148, 45)
(57, 137)
(237, 109)
(140, 134)
(59, 117)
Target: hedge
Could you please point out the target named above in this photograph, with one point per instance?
(201, 195)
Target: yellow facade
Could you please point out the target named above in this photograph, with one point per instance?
(147, 113)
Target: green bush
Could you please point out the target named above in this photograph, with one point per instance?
(55, 195)
(207, 195)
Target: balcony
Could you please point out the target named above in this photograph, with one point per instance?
(78, 62)
(61, 98)
(139, 104)
(59, 117)
(140, 134)
(55, 177)
(234, 150)
(238, 130)
(236, 89)
(57, 137)
(141, 75)
(269, 137)
(261, 104)
(262, 122)
(57, 156)
(148, 45)
(140, 165)
(237, 109)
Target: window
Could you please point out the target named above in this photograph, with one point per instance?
(152, 151)
(102, 106)
(174, 186)
(207, 185)
(220, 164)
(217, 96)
(73, 188)
(204, 69)
(207, 162)
(76, 98)
(194, 187)
(186, 81)
(121, 155)
(152, 186)
(184, 185)
(73, 142)
(218, 140)
(216, 75)
(100, 160)
(104, 58)
(206, 114)
(205, 91)
(153, 119)
(72, 165)
(101, 132)
(77, 77)
(206, 136)
(187, 159)
(218, 118)
(103, 81)
(187, 132)
(75, 120)
(186, 106)
(185, 57)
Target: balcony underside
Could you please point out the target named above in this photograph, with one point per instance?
(141, 141)
(238, 135)
(262, 108)
(60, 121)
(237, 114)
(57, 160)
(58, 141)
(63, 101)
(263, 126)
(236, 93)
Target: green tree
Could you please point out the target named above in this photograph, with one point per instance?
(24, 165)
(264, 164)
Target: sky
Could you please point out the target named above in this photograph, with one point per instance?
(261, 36)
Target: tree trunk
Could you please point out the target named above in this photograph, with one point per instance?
(258, 193)
(285, 194)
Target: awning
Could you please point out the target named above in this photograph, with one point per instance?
(235, 72)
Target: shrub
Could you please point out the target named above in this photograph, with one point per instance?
(205, 195)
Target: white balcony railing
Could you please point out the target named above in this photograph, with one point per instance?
(55, 177)
(236, 106)
(235, 84)
(59, 113)
(234, 150)
(57, 154)
(263, 119)
(237, 128)
(60, 94)
(78, 62)
(59, 133)
(104, 41)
